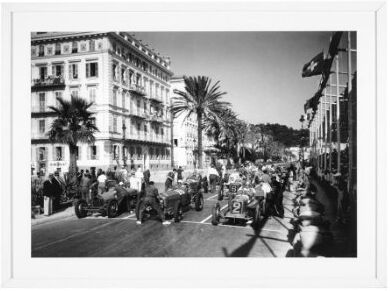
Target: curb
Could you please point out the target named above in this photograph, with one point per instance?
(46, 219)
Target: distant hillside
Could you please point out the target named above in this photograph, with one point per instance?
(288, 136)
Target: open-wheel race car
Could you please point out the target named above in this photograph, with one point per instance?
(247, 205)
(230, 187)
(110, 203)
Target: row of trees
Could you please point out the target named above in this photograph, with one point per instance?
(235, 138)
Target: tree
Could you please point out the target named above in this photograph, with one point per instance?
(74, 124)
(202, 99)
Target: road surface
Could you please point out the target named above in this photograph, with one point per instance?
(194, 236)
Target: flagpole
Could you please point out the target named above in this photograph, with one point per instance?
(330, 130)
(350, 130)
(321, 133)
(325, 129)
(338, 114)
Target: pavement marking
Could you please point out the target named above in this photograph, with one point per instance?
(208, 217)
(232, 226)
(131, 215)
(212, 197)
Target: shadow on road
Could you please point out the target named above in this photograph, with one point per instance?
(245, 249)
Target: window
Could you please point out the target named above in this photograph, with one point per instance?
(175, 142)
(115, 124)
(73, 71)
(162, 131)
(58, 94)
(91, 45)
(57, 70)
(58, 49)
(41, 153)
(74, 47)
(145, 128)
(59, 155)
(93, 152)
(92, 94)
(42, 102)
(123, 100)
(114, 97)
(41, 50)
(123, 75)
(42, 73)
(42, 126)
(115, 152)
(114, 72)
(92, 69)
(74, 92)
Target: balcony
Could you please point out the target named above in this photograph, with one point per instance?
(139, 113)
(155, 118)
(155, 98)
(138, 89)
(42, 111)
(50, 82)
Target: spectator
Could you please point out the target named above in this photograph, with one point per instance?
(213, 178)
(180, 173)
(169, 181)
(56, 190)
(101, 183)
(85, 184)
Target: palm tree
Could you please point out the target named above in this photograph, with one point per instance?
(202, 99)
(74, 124)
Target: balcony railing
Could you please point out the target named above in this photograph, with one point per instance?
(138, 89)
(155, 118)
(49, 81)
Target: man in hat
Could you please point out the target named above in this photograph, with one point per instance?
(149, 196)
(169, 180)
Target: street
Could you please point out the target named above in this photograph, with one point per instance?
(194, 236)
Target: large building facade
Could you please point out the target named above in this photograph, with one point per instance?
(185, 136)
(128, 84)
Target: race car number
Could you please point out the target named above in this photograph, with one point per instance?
(236, 207)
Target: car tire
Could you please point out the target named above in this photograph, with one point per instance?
(112, 208)
(179, 215)
(80, 208)
(199, 202)
(215, 214)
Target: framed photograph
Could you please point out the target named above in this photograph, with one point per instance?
(224, 144)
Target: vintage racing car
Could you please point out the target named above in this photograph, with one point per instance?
(246, 205)
(115, 199)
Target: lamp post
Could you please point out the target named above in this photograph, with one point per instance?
(123, 141)
(301, 156)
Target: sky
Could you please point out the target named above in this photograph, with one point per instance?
(260, 71)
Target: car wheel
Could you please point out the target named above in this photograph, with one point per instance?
(80, 208)
(179, 214)
(199, 202)
(215, 214)
(112, 209)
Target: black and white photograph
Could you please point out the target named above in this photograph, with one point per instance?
(194, 144)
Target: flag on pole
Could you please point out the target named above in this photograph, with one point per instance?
(316, 66)
(334, 43)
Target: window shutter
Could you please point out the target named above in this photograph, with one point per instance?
(96, 69)
(70, 72)
(53, 70)
(87, 70)
(76, 67)
(62, 70)
(37, 152)
(46, 152)
(54, 154)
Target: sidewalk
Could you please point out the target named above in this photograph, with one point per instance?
(62, 214)
(341, 246)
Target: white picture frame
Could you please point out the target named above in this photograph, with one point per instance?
(19, 270)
